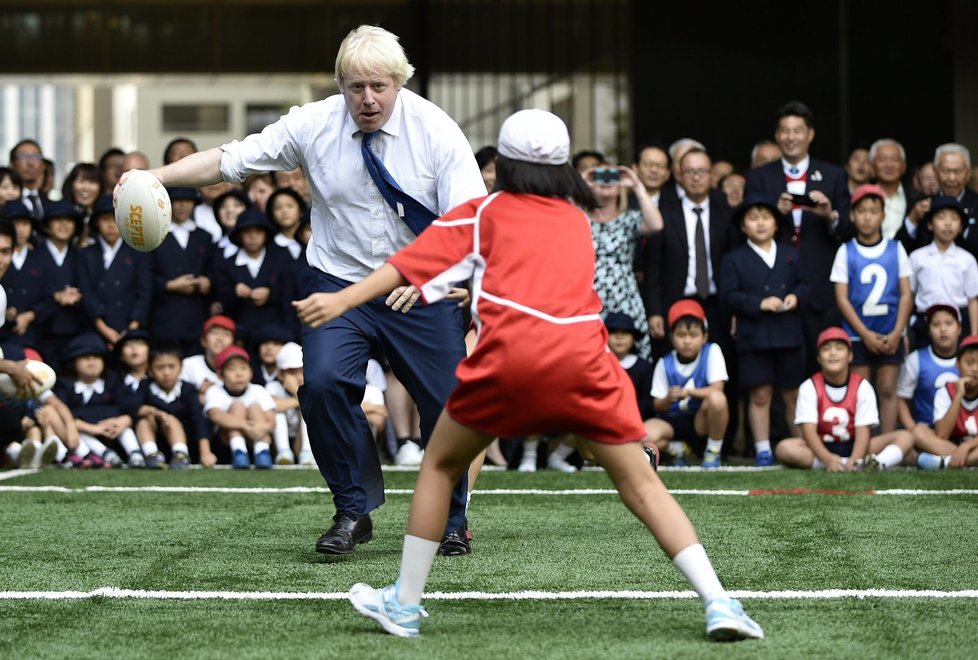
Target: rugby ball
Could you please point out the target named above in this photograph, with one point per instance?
(142, 211)
(9, 389)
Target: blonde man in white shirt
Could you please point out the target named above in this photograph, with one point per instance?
(357, 223)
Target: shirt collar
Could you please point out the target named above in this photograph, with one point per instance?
(242, 258)
(690, 204)
(802, 165)
(187, 226)
(170, 396)
(55, 252)
(393, 125)
(98, 387)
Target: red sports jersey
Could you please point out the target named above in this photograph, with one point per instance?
(837, 420)
(967, 422)
(541, 362)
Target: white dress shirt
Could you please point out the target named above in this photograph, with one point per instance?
(949, 277)
(769, 257)
(690, 215)
(253, 263)
(181, 231)
(56, 254)
(354, 230)
(895, 211)
(109, 251)
(796, 187)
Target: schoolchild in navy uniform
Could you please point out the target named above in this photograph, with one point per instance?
(227, 207)
(687, 385)
(256, 286)
(61, 314)
(182, 276)
(132, 353)
(171, 412)
(872, 288)
(763, 285)
(928, 369)
(836, 408)
(622, 336)
(94, 398)
(285, 208)
(24, 281)
(266, 344)
(120, 277)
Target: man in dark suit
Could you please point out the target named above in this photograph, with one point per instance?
(814, 201)
(27, 161)
(952, 165)
(672, 271)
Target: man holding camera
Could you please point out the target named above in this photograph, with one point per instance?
(814, 200)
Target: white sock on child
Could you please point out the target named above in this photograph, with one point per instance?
(677, 447)
(817, 464)
(281, 435)
(714, 445)
(416, 559)
(62, 450)
(695, 565)
(94, 444)
(180, 447)
(890, 456)
(128, 441)
(562, 451)
(238, 443)
(150, 448)
(13, 451)
(530, 451)
(261, 445)
(762, 445)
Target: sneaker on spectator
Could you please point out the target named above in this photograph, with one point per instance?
(408, 454)
(263, 460)
(711, 460)
(73, 460)
(726, 621)
(180, 461)
(528, 465)
(306, 458)
(29, 450)
(111, 459)
(156, 461)
(764, 459)
(48, 453)
(559, 464)
(677, 458)
(928, 461)
(285, 458)
(92, 461)
(382, 606)
(871, 463)
(137, 460)
(240, 460)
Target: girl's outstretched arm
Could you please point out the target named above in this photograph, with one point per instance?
(322, 307)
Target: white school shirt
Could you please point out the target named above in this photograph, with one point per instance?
(796, 187)
(894, 213)
(194, 370)
(252, 263)
(942, 403)
(806, 409)
(218, 398)
(948, 278)
(770, 257)
(690, 217)
(354, 230)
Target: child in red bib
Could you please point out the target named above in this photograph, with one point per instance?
(540, 363)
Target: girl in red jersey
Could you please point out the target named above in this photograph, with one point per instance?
(540, 363)
(836, 408)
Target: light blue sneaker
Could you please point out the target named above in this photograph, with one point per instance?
(382, 606)
(240, 461)
(927, 461)
(726, 621)
(263, 460)
(711, 460)
(764, 459)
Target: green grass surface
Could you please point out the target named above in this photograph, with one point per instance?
(81, 541)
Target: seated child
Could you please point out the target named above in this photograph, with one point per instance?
(268, 341)
(94, 400)
(622, 336)
(954, 440)
(132, 350)
(241, 410)
(290, 379)
(171, 411)
(687, 386)
(928, 369)
(219, 332)
(835, 409)
(872, 290)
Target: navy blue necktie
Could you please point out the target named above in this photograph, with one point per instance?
(414, 214)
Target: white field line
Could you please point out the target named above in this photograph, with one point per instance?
(490, 491)
(13, 474)
(824, 594)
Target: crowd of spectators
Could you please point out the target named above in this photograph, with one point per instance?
(191, 353)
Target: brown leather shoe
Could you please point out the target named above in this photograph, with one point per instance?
(347, 532)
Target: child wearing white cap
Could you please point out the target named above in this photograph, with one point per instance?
(540, 363)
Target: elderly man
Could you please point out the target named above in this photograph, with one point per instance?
(382, 163)
(889, 161)
(952, 165)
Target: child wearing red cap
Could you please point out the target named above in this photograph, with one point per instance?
(836, 407)
(954, 440)
(242, 410)
(872, 289)
(687, 387)
(218, 333)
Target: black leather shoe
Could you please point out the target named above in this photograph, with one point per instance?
(456, 542)
(347, 532)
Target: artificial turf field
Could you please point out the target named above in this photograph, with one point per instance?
(246, 538)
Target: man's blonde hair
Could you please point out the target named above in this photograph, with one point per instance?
(371, 49)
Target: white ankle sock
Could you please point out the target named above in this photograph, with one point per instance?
(128, 441)
(562, 451)
(181, 447)
(96, 445)
(714, 445)
(62, 450)
(238, 443)
(261, 445)
(416, 559)
(695, 565)
(817, 464)
(890, 456)
(530, 451)
(281, 435)
(13, 452)
(762, 445)
(150, 448)
(677, 447)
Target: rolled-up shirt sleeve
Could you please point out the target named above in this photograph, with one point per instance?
(275, 149)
